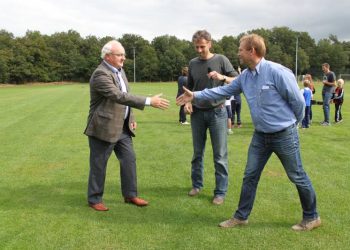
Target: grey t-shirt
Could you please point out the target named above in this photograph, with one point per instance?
(198, 79)
(329, 77)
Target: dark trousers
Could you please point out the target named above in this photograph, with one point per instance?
(100, 152)
(310, 112)
(182, 115)
(338, 115)
(306, 121)
(236, 110)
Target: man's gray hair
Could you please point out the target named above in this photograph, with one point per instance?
(201, 34)
(107, 48)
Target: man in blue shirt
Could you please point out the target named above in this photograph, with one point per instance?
(276, 105)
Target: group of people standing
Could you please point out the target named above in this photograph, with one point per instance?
(332, 91)
(276, 106)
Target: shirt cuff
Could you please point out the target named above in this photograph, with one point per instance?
(148, 101)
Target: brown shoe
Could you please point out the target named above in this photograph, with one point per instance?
(218, 200)
(136, 201)
(194, 192)
(98, 206)
(307, 225)
(233, 222)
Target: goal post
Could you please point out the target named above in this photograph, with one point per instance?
(345, 77)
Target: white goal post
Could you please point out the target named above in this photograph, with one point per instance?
(345, 77)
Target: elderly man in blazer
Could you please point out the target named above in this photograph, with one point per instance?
(111, 124)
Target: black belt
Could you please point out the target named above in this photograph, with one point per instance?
(278, 132)
(206, 109)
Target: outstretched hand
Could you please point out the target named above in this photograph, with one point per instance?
(158, 102)
(186, 97)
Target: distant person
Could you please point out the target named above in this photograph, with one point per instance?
(182, 82)
(327, 91)
(111, 125)
(338, 100)
(208, 115)
(236, 107)
(307, 94)
(229, 116)
(313, 90)
(276, 105)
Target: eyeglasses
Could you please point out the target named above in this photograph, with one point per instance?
(118, 55)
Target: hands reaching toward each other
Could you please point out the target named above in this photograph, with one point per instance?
(186, 97)
(158, 102)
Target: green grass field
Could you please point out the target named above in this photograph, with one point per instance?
(44, 170)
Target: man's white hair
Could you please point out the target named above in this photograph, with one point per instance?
(107, 48)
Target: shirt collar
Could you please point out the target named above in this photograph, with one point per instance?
(257, 67)
(114, 69)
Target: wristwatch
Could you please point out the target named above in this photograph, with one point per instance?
(224, 79)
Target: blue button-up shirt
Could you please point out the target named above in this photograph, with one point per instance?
(272, 93)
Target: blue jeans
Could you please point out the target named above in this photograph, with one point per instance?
(285, 145)
(216, 121)
(326, 97)
(306, 121)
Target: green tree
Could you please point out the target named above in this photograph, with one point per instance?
(303, 62)
(66, 56)
(188, 51)
(90, 50)
(30, 59)
(65, 53)
(37, 56)
(6, 55)
(149, 64)
(229, 45)
(134, 44)
(170, 54)
(332, 53)
(275, 53)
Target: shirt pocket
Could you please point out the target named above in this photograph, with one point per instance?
(267, 95)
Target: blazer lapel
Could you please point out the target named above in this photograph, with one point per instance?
(116, 80)
(114, 75)
(122, 73)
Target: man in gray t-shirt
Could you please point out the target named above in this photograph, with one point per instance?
(327, 91)
(210, 115)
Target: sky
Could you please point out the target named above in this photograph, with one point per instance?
(180, 18)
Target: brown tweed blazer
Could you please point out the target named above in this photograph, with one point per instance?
(107, 105)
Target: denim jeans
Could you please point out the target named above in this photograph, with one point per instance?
(216, 121)
(306, 121)
(326, 97)
(285, 145)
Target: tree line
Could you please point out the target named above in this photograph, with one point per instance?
(66, 56)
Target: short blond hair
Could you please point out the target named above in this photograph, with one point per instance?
(340, 83)
(306, 83)
(254, 41)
